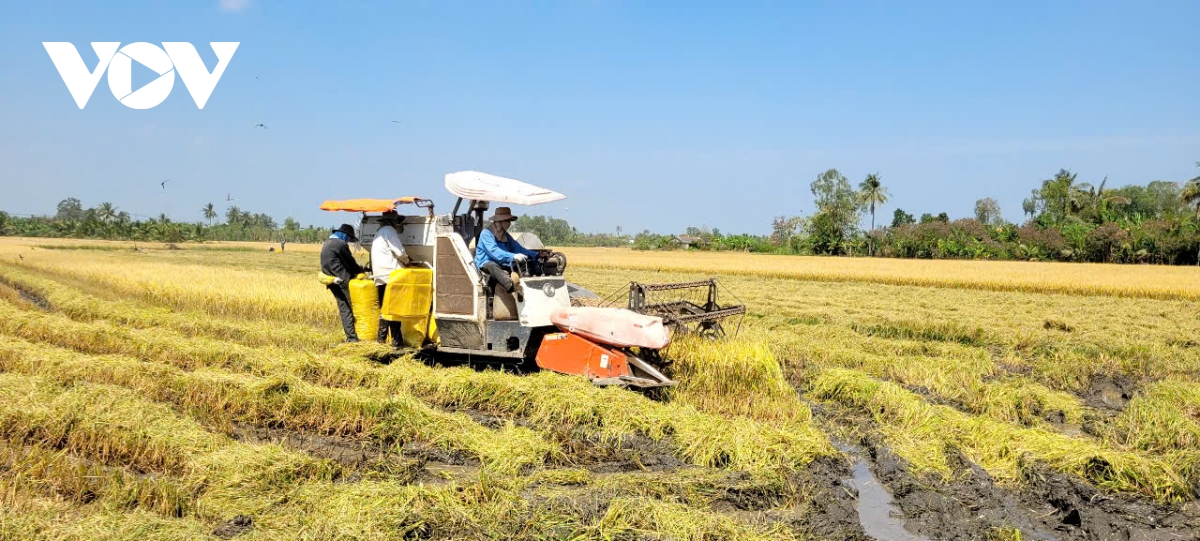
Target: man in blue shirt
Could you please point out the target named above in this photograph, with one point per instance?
(497, 253)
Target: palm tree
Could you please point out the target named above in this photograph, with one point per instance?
(1029, 205)
(872, 193)
(106, 212)
(210, 212)
(1061, 195)
(233, 215)
(1191, 192)
(1190, 195)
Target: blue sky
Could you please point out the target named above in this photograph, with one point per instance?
(651, 115)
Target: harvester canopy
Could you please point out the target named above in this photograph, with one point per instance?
(473, 185)
(369, 205)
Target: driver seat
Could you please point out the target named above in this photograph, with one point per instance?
(503, 303)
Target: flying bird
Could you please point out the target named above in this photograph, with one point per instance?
(164, 183)
(395, 122)
(260, 125)
(21, 256)
(228, 197)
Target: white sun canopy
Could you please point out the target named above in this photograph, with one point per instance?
(485, 187)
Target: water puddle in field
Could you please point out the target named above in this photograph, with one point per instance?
(27, 294)
(877, 513)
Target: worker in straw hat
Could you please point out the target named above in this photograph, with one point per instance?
(497, 253)
(338, 262)
(387, 255)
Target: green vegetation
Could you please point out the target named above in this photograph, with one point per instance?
(1067, 221)
(106, 221)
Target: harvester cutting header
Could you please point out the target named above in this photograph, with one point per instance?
(466, 289)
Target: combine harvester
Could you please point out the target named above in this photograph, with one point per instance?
(448, 296)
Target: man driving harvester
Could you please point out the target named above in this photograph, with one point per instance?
(497, 253)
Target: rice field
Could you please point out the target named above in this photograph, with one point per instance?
(202, 392)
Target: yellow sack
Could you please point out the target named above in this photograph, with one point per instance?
(364, 301)
(408, 299)
(325, 279)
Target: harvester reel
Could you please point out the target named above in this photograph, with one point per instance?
(688, 307)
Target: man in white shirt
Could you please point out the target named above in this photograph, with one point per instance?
(387, 255)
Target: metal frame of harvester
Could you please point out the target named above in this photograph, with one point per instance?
(684, 314)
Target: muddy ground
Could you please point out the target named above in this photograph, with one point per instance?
(1046, 506)
(1109, 393)
(815, 501)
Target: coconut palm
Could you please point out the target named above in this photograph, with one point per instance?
(210, 212)
(1029, 206)
(871, 193)
(1098, 200)
(1191, 193)
(106, 212)
(1061, 195)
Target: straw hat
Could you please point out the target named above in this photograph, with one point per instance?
(503, 214)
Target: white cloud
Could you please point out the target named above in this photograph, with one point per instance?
(233, 5)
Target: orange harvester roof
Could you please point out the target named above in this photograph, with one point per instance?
(367, 205)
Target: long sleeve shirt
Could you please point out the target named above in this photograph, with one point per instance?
(387, 254)
(337, 261)
(490, 249)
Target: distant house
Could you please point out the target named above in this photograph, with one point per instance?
(686, 241)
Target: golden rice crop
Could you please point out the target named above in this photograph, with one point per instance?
(709, 372)
(1158, 282)
(287, 402)
(262, 481)
(543, 398)
(1164, 417)
(84, 307)
(997, 362)
(1003, 450)
(970, 380)
(222, 291)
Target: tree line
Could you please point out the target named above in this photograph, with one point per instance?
(106, 221)
(1065, 220)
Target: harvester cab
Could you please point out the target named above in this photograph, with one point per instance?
(608, 345)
